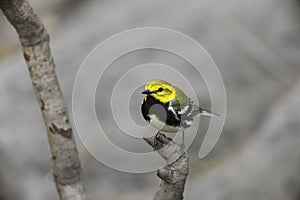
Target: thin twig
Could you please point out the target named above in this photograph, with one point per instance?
(34, 39)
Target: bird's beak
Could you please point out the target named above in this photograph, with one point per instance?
(147, 92)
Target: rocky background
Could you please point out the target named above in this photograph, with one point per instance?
(255, 44)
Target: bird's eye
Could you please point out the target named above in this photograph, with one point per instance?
(160, 89)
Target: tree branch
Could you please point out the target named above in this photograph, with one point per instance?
(173, 176)
(34, 39)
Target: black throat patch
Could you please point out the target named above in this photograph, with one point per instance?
(153, 106)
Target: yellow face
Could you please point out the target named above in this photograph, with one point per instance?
(161, 90)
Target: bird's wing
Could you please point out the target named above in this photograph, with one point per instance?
(192, 110)
(184, 108)
(181, 110)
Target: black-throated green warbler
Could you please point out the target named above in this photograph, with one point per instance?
(167, 108)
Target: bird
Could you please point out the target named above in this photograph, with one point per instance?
(168, 108)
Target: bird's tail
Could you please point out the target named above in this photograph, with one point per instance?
(204, 112)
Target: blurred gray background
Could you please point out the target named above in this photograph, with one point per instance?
(255, 44)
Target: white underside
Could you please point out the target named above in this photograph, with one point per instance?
(162, 126)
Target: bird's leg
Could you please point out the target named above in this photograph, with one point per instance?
(155, 140)
(183, 138)
(157, 134)
(182, 146)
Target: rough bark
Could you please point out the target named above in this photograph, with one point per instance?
(34, 39)
(173, 176)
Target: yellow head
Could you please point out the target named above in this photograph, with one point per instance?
(160, 90)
